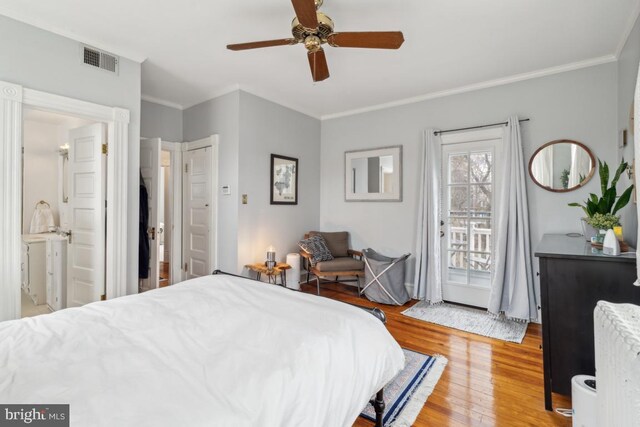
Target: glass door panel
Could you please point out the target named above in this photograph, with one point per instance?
(468, 191)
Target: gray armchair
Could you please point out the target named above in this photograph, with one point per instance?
(345, 263)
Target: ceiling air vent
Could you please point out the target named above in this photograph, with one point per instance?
(99, 59)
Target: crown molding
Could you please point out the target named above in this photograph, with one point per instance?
(255, 92)
(159, 101)
(275, 99)
(633, 17)
(215, 94)
(44, 25)
(478, 86)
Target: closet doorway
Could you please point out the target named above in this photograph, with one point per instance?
(63, 212)
(159, 172)
(469, 166)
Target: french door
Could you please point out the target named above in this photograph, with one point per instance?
(468, 195)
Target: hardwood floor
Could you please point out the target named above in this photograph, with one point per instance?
(164, 274)
(487, 382)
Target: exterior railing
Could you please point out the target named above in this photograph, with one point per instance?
(479, 241)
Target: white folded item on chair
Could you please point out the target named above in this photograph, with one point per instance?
(42, 220)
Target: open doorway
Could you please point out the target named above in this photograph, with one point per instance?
(160, 244)
(63, 212)
(166, 220)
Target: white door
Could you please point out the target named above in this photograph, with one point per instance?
(150, 158)
(468, 188)
(86, 251)
(197, 216)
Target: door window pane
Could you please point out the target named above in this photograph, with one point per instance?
(481, 167)
(458, 169)
(458, 201)
(480, 236)
(458, 234)
(480, 200)
(458, 262)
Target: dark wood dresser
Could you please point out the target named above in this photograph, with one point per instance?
(573, 278)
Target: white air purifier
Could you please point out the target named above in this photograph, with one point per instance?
(583, 400)
(611, 246)
(293, 274)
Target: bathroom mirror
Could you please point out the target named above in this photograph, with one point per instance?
(373, 175)
(64, 154)
(562, 165)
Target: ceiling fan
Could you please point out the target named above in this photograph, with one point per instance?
(314, 28)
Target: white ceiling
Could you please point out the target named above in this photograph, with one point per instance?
(450, 44)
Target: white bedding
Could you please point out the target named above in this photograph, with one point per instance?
(213, 351)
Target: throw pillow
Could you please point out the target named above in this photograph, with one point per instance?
(317, 248)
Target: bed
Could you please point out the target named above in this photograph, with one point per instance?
(216, 351)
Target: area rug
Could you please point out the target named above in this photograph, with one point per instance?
(469, 320)
(407, 393)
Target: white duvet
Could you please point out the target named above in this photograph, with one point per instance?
(213, 351)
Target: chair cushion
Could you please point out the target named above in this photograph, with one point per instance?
(340, 264)
(337, 242)
(317, 248)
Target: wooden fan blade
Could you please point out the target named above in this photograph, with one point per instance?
(318, 64)
(306, 13)
(371, 40)
(265, 43)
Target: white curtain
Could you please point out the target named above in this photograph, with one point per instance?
(512, 286)
(580, 165)
(542, 167)
(428, 282)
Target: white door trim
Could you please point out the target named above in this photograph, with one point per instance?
(175, 263)
(12, 100)
(468, 293)
(212, 141)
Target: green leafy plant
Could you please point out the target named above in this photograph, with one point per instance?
(607, 203)
(564, 178)
(603, 221)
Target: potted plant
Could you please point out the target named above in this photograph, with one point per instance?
(607, 204)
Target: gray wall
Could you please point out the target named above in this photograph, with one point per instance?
(221, 116)
(250, 130)
(267, 128)
(627, 76)
(41, 60)
(159, 121)
(579, 105)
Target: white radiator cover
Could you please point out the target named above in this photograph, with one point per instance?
(617, 351)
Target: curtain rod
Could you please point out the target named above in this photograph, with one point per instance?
(440, 132)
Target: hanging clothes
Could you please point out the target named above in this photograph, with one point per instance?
(144, 244)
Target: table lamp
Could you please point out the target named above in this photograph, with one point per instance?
(271, 257)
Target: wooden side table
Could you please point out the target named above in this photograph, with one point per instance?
(279, 270)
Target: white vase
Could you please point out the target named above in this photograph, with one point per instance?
(587, 230)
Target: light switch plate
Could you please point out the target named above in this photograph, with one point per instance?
(244, 199)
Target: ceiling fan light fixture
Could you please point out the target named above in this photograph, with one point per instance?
(312, 43)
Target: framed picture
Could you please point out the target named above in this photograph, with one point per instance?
(284, 180)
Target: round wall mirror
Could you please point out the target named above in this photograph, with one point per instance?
(562, 165)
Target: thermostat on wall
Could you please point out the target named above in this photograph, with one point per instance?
(226, 190)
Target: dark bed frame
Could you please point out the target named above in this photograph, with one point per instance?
(378, 402)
